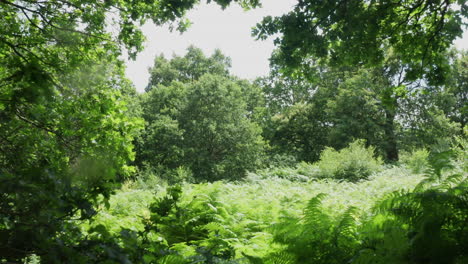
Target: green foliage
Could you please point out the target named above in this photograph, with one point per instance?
(417, 161)
(234, 217)
(361, 32)
(356, 111)
(295, 122)
(149, 177)
(204, 125)
(58, 34)
(68, 118)
(319, 94)
(90, 117)
(353, 163)
(298, 132)
(458, 82)
(343, 104)
(221, 142)
(40, 212)
(62, 154)
(188, 68)
(66, 123)
(460, 147)
(316, 237)
(196, 229)
(424, 225)
(282, 91)
(301, 172)
(432, 125)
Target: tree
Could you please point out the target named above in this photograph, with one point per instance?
(356, 111)
(201, 120)
(284, 90)
(161, 143)
(188, 68)
(59, 156)
(203, 126)
(378, 105)
(405, 39)
(301, 131)
(88, 117)
(360, 32)
(221, 142)
(457, 87)
(434, 114)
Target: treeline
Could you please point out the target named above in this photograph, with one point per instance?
(201, 120)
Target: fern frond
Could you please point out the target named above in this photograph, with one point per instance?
(286, 231)
(347, 227)
(172, 259)
(313, 213)
(281, 258)
(393, 201)
(453, 180)
(440, 161)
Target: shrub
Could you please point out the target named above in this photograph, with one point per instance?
(286, 173)
(151, 177)
(417, 161)
(307, 169)
(353, 163)
(302, 172)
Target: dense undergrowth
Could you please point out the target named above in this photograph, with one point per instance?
(413, 212)
(347, 207)
(392, 216)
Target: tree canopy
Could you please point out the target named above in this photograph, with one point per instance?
(361, 33)
(188, 68)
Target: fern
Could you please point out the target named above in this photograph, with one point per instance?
(281, 258)
(172, 259)
(346, 232)
(426, 225)
(197, 229)
(316, 237)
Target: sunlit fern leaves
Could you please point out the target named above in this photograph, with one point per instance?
(316, 237)
(313, 213)
(281, 258)
(172, 259)
(427, 225)
(198, 229)
(440, 161)
(346, 235)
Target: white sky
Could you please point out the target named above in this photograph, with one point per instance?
(212, 28)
